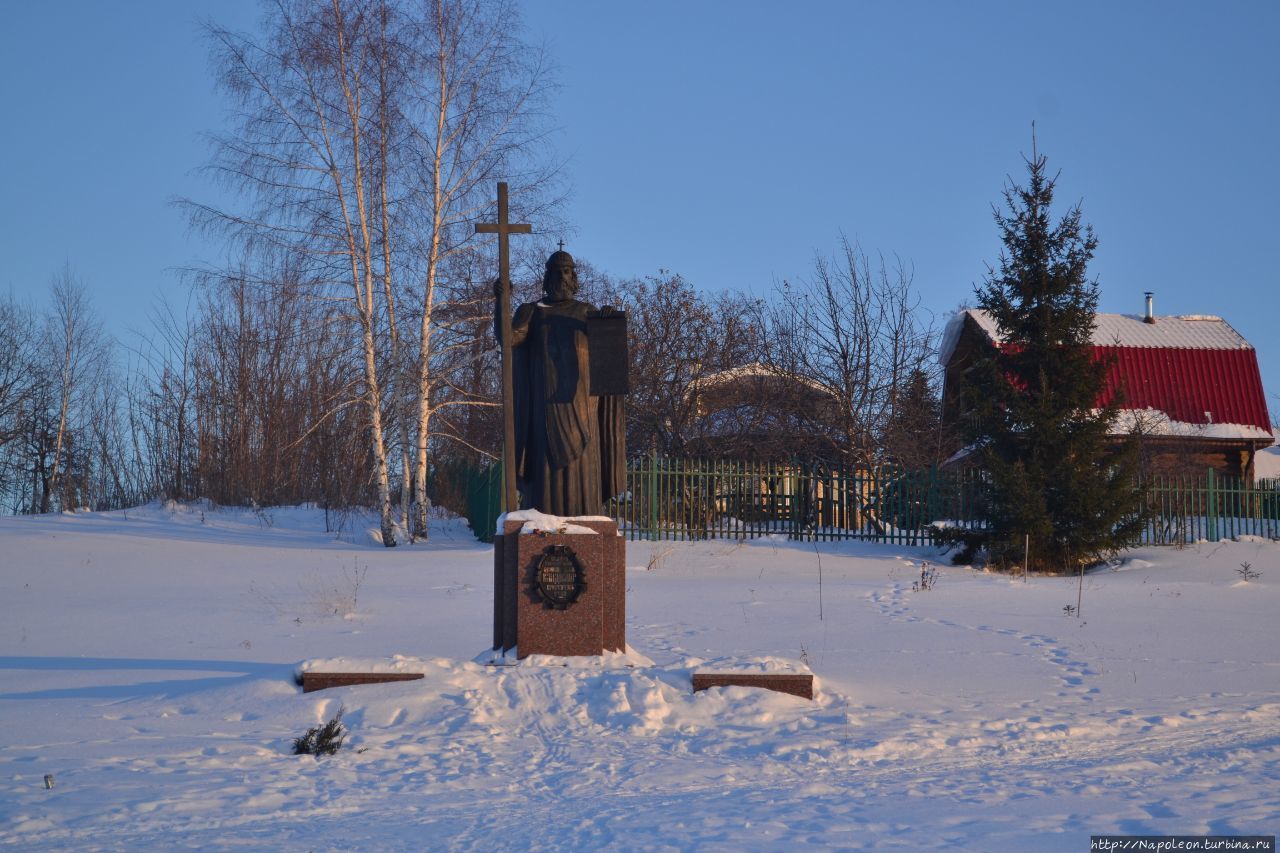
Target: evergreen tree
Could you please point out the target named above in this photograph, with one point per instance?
(915, 436)
(1056, 474)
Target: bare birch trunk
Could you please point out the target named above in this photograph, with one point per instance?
(63, 406)
(362, 280)
(433, 263)
(399, 393)
(420, 502)
(70, 309)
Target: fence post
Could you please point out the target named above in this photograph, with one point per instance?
(791, 491)
(931, 506)
(1211, 509)
(653, 495)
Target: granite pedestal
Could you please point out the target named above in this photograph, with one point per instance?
(529, 621)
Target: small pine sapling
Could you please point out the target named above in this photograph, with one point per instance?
(322, 740)
(1247, 572)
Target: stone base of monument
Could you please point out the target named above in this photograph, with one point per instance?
(796, 684)
(559, 585)
(312, 681)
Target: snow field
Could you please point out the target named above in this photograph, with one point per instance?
(147, 661)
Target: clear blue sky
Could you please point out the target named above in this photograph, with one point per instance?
(729, 141)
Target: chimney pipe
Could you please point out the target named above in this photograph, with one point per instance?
(1150, 317)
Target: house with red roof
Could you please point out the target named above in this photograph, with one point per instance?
(1188, 385)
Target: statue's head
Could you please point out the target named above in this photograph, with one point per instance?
(561, 280)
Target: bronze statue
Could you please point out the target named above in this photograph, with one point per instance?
(569, 443)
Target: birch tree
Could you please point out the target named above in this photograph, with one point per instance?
(312, 95)
(476, 99)
(74, 364)
(55, 382)
(369, 135)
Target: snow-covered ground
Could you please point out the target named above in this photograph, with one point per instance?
(147, 662)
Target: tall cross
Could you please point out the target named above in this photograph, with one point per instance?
(503, 227)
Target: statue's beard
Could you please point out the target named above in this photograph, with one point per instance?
(560, 292)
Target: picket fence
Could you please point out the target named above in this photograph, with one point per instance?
(686, 499)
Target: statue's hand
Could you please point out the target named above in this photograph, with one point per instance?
(497, 288)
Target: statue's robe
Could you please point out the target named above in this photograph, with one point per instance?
(570, 445)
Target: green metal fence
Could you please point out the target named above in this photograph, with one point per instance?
(482, 489)
(735, 499)
(1212, 507)
(694, 499)
(683, 499)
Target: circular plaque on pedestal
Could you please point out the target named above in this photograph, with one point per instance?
(559, 577)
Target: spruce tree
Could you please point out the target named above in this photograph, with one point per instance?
(914, 436)
(1055, 473)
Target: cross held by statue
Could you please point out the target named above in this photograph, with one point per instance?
(504, 228)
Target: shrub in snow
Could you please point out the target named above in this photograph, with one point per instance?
(322, 740)
(928, 574)
(340, 597)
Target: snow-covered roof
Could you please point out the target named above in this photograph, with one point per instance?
(1188, 331)
(1155, 422)
(1266, 465)
(754, 370)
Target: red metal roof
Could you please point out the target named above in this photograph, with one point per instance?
(1187, 383)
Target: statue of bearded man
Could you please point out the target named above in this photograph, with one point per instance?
(570, 444)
